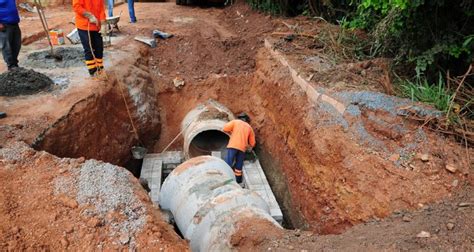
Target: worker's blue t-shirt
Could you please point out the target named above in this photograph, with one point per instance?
(8, 12)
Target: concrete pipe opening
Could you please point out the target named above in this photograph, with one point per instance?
(208, 141)
(202, 129)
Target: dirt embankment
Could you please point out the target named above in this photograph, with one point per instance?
(99, 125)
(328, 178)
(73, 204)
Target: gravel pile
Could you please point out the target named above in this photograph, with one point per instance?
(21, 81)
(108, 188)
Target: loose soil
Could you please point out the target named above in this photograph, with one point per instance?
(22, 81)
(73, 204)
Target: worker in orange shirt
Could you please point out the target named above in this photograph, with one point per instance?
(91, 25)
(242, 139)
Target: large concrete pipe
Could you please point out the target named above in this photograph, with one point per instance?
(207, 203)
(202, 129)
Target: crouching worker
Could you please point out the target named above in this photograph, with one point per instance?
(242, 139)
(91, 25)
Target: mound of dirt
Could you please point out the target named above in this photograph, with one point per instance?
(55, 204)
(23, 81)
(71, 57)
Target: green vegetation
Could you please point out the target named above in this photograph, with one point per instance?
(423, 91)
(429, 36)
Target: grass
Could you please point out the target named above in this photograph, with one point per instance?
(267, 6)
(421, 90)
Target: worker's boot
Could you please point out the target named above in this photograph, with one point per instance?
(100, 65)
(91, 67)
(238, 175)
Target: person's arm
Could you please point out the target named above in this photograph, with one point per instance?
(229, 127)
(252, 138)
(78, 7)
(102, 14)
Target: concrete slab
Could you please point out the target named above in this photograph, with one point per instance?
(153, 167)
(255, 180)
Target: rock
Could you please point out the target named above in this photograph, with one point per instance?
(15, 230)
(406, 218)
(464, 204)
(157, 234)
(64, 242)
(423, 234)
(297, 232)
(451, 168)
(291, 247)
(455, 183)
(425, 157)
(178, 83)
(69, 202)
(93, 222)
(394, 157)
(450, 226)
(68, 228)
(124, 238)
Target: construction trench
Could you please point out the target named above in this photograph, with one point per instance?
(329, 162)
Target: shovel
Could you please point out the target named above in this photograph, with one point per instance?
(42, 17)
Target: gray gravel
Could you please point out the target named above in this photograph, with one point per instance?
(108, 188)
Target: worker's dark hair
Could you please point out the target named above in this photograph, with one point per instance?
(244, 117)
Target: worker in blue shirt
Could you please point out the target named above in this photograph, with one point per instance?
(10, 33)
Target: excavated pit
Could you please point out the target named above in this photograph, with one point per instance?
(320, 164)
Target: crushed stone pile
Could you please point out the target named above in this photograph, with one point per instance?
(21, 81)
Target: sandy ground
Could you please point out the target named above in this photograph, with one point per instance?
(329, 180)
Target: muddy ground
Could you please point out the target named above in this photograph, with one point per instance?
(346, 163)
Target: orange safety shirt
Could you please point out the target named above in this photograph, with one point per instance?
(96, 7)
(242, 135)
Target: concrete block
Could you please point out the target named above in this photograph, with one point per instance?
(255, 180)
(149, 41)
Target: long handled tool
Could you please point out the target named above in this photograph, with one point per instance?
(42, 17)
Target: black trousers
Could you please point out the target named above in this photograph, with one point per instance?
(94, 48)
(10, 43)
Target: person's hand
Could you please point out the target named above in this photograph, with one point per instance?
(248, 149)
(2, 27)
(103, 30)
(92, 18)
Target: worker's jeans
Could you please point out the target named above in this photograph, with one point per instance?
(97, 46)
(10, 43)
(235, 159)
(110, 7)
(131, 10)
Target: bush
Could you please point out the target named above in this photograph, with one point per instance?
(430, 36)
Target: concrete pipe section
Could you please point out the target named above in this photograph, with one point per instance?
(207, 203)
(202, 129)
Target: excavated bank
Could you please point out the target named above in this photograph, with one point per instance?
(22, 81)
(99, 126)
(73, 204)
(329, 170)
